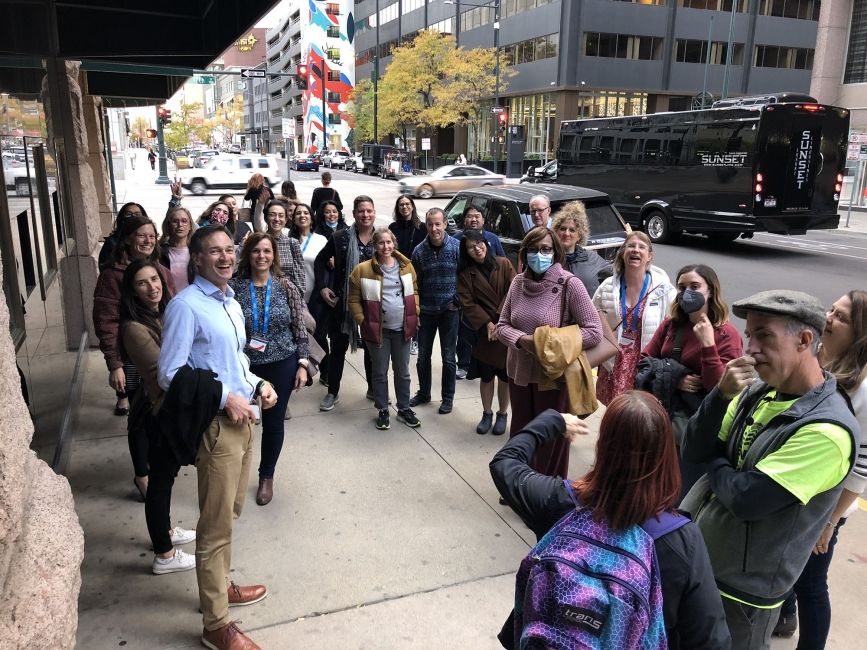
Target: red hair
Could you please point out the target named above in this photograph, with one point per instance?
(636, 474)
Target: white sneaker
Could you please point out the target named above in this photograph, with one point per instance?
(413, 348)
(180, 562)
(182, 536)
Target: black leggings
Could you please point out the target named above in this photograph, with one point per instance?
(337, 358)
(163, 470)
(136, 433)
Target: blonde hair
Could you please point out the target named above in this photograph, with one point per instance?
(573, 211)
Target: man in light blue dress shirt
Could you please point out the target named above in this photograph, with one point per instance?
(204, 329)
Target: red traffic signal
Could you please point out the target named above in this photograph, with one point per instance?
(503, 118)
(301, 77)
(151, 133)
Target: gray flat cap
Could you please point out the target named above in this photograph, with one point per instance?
(796, 304)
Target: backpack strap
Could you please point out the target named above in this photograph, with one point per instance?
(667, 522)
(678, 340)
(567, 485)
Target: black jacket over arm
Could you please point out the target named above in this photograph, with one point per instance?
(693, 612)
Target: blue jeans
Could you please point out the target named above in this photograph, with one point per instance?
(445, 323)
(281, 375)
(813, 603)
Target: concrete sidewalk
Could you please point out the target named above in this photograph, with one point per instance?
(374, 539)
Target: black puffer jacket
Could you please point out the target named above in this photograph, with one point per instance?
(661, 377)
(692, 607)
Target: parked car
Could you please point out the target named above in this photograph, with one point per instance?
(305, 161)
(507, 214)
(448, 180)
(230, 173)
(355, 163)
(545, 174)
(335, 159)
(234, 148)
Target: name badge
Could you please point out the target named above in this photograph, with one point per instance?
(626, 341)
(257, 344)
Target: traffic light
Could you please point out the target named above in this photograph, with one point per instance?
(502, 121)
(301, 77)
(151, 133)
(168, 116)
(161, 114)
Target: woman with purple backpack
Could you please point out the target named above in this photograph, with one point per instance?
(609, 539)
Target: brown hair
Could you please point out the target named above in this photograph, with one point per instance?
(256, 180)
(619, 258)
(717, 309)
(532, 239)
(245, 268)
(635, 475)
(573, 211)
(167, 224)
(851, 369)
(123, 250)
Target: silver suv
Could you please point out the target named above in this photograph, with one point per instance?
(230, 173)
(335, 159)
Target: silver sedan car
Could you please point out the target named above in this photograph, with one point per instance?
(449, 179)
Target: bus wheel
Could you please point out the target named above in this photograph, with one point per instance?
(657, 227)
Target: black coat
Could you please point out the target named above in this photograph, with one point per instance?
(407, 235)
(188, 408)
(661, 377)
(692, 607)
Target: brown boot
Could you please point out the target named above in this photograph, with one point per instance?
(246, 595)
(228, 637)
(265, 491)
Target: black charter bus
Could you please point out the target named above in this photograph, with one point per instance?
(722, 172)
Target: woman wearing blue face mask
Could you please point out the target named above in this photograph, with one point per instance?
(535, 299)
(699, 339)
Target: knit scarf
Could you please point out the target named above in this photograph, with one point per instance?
(348, 325)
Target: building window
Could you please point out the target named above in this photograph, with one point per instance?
(411, 5)
(856, 57)
(334, 75)
(534, 49)
(623, 46)
(477, 17)
(715, 5)
(802, 9)
(334, 118)
(611, 103)
(446, 26)
(333, 53)
(332, 9)
(693, 51)
(334, 31)
(333, 97)
(793, 58)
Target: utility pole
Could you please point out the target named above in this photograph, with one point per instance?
(497, 78)
(324, 105)
(163, 178)
(376, 80)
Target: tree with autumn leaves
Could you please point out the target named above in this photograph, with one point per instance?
(430, 83)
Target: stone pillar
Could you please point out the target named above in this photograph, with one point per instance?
(830, 54)
(41, 542)
(65, 111)
(93, 122)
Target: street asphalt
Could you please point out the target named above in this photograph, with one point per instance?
(374, 539)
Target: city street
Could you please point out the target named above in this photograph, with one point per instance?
(382, 539)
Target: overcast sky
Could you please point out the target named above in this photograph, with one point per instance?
(273, 17)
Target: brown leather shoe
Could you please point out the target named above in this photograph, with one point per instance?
(228, 637)
(246, 595)
(265, 492)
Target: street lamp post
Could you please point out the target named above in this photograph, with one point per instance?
(324, 144)
(496, 7)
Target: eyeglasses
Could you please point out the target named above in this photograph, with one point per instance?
(535, 210)
(479, 246)
(544, 250)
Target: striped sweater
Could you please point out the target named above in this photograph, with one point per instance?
(437, 272)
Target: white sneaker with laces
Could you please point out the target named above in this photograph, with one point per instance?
(179, 562)
(182, 536)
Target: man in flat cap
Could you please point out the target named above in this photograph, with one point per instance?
(776, 449)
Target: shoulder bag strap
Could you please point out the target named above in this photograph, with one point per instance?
(678, 341)
(563, 306)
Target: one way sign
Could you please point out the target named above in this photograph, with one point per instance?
(251, 72)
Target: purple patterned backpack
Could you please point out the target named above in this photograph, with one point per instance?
(585, 585)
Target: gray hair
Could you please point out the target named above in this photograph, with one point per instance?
(794, 327)
(542, 197)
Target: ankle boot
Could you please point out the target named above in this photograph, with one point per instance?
(485, 423)
(500, 424)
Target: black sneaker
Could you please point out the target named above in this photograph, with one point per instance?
(383, 421)
(407, 416)
(786, 626)
(418, 399)
(445, 407)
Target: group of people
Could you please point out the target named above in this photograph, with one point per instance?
(211, 324)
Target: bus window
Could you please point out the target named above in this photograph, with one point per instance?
(627, 148)
(651, 151)
(585, 150)
(605, 149)
(565, 151)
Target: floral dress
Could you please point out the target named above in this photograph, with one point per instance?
(621, 377)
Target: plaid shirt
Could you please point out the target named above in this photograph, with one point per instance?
(291, 262)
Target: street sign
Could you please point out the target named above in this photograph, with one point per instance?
(863, 153)
(425, 144)
(247, 73)
(497, 109)
(204, 79)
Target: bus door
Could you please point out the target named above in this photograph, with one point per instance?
(800, 148)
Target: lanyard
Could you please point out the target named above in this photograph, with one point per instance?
(266, 312)
(306, 243)
(637, 308)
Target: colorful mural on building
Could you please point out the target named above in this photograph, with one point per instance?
(328, 51)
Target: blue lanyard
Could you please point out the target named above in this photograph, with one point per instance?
(306, 243)
(637, 309)
(266, 312)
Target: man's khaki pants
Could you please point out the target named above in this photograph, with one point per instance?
(223, 468)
